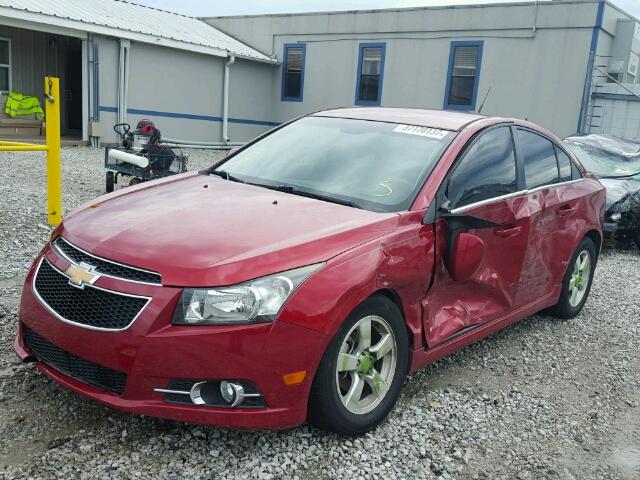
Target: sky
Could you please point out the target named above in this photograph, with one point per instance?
(200, 8)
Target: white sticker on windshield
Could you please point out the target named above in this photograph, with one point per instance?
(421, 131)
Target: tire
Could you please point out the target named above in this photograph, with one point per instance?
(110, 182)
(636, 237)
(134, 181)
(330, 390)
(569, 305)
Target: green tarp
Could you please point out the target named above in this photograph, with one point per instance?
(19, 104)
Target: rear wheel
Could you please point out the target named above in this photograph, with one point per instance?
(134, 181)
(577, 281)
(361, 374)
(110, 182)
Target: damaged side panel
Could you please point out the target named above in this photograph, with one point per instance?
(453, 306)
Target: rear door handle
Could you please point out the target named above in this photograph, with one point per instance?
(508, 232)
(566, 210)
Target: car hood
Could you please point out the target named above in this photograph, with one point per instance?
(205, 231)
(620, 188)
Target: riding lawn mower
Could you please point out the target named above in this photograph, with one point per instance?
(141, 156)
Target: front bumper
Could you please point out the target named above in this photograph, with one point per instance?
(152, 353)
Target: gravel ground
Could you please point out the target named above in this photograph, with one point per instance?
(543, 399)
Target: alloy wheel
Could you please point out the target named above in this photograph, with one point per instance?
(366, 364)
(579, 278)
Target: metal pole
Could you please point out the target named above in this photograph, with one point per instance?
(54, 166)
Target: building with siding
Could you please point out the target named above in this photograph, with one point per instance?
(532, 60)
(552, 62)
(118, 61)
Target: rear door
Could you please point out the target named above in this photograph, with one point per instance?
(553, 204)
(546, 174)
(484, 183)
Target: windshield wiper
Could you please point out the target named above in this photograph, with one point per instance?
(226, 176)
(318, 196)
(613, 177)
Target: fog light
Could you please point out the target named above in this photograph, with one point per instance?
(616, 217)
(232, 393)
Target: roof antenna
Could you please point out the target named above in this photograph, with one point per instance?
(484, 99)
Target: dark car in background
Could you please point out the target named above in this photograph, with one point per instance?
(616, 162)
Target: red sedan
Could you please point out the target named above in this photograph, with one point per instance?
(304, 275)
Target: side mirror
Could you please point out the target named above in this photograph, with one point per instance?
(468, 255)
(464, 251)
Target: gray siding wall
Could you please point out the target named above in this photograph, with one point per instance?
(182, 92)
(535, 74)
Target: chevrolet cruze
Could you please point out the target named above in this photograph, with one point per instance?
(304, 275)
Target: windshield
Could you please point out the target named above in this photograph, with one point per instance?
(604, 163)
(377, 166)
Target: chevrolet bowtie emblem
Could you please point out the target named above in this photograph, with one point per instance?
(82, 274)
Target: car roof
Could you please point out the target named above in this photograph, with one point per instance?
(443, 119)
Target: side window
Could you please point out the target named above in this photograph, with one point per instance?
(487, 169)
(293, 72)
(564, 164)
(540, 165)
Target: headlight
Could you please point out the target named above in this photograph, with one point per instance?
(615, 217)
(255, 301)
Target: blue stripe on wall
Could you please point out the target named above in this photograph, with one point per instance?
(189, 116)
(589, 77)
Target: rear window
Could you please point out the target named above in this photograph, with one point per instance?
(540, 164)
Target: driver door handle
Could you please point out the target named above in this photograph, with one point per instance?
(565, 210)
(508, 231)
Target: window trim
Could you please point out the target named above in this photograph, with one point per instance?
(361, 47)
(9, 65)
(286, 47)
(452, 54)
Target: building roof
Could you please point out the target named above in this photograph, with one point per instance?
(122, 19)
(444, 119)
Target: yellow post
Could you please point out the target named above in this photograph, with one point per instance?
(54, 166)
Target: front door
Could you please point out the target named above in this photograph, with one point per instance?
(484, 184)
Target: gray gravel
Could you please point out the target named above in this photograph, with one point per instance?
(544, 399)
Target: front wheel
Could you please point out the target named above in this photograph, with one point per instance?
(577, 281)
(361, 373)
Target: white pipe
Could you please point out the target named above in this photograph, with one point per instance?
(142, 162)
(123, 80)
(120, 82)
(225, 100)
(125, 96)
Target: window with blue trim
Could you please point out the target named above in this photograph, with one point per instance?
(370, 73)
(293, 72)
(463, 76)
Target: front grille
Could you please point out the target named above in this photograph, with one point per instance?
(75, 367)
(89, 306)
(104, 266)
